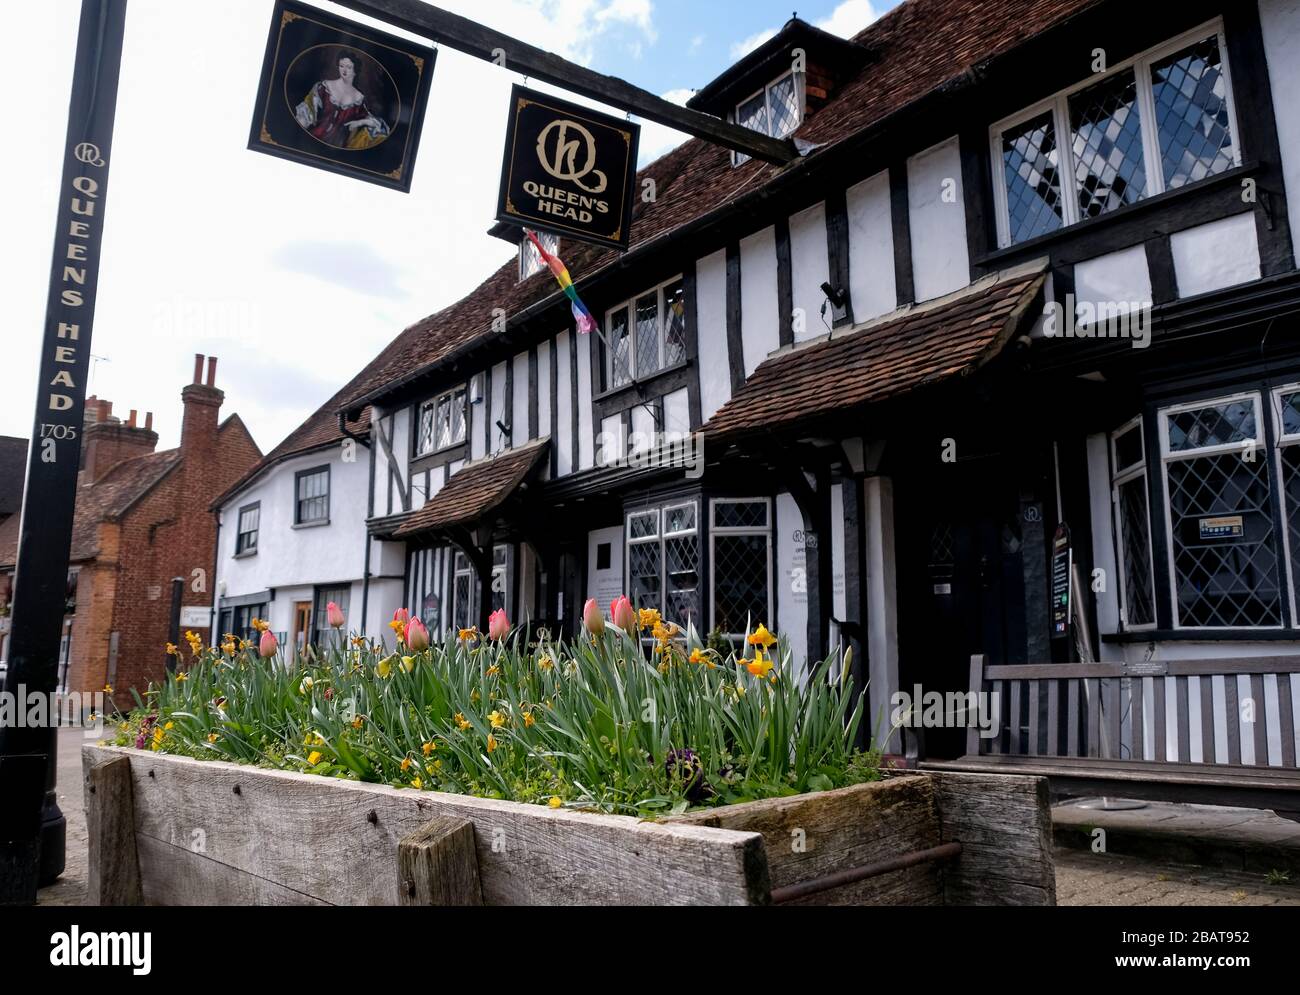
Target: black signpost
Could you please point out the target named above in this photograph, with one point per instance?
(45, 531)
(568, 169)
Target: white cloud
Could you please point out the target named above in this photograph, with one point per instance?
(696, 44)
(635, 13)
(742, 48)
(849, 18)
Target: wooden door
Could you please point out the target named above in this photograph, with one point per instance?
(301, 625)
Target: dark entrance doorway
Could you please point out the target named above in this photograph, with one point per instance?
(961, 534)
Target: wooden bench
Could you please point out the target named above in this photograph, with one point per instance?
(1139, 730)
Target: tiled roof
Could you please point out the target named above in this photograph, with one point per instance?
(889, 356)
(13, 470)
(106, 499)
(919, 46)
(474, 490)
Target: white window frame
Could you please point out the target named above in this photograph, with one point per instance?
(1120, 477)
(530, 262)
(767, 532)
(433, 403)
(1283, 441)
(629, 307)
(1140, 66)
(801, 95)
(460, 567)
(1184, 454)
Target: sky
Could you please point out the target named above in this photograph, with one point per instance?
(296, 277)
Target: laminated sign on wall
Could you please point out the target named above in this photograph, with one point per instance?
(568, 169)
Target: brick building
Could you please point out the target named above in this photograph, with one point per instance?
(142, 520)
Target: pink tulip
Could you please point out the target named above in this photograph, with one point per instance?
(417, 636)
(498, 625)
(267, 645)
(592, 618)
(402, 615)
(335, 615)
(622, 614)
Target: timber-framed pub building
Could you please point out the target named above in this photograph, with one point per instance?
(1005, 363)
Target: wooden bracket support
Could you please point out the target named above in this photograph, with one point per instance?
(438, 864)
(114, 877)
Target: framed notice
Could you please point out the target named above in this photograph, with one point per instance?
(341, 96)
(568, 169)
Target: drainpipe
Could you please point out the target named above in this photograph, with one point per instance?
(343, 428)
(216, 582)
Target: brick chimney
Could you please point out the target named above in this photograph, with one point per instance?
(202, 402)
(108, 441)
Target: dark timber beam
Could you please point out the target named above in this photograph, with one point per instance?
(482, 42)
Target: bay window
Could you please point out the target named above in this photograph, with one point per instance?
(645, 334)
(740, 563)
(1152, 123)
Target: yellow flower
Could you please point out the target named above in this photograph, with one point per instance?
(261, 625)
(195, 641)
(648, 617)
(528, 719)
(172, 650)
(313, 758)
(357, 722)
(697, 655)
(384, 668)
(491, 742)
(417, 783)
(466, 635)
(555, 801)
(170, 726)
(428, 748)
(158, 736)
(212, 737)
(181, 676)
(408, 663)
(406, 764)
(360, 641)
(108, 689)
(493, 670)
(761, 637)
(228, 647)
(497, 719)
(545, 663)
(758, 666)
(462, 723)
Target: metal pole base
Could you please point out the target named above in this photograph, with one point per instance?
(54, 841)
(1111, 804)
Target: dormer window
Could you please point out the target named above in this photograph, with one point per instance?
(776, 110)
(529, 260)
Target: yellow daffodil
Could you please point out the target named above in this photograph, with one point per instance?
(555, 801)
(181, 677)
(462, 723)
(648, 617)
(428, 748)
(406, 764)
(108, 689)
(417, 783)
(759, 666)
(313, 758)
(528, 719)
(170, 726)
(384, 668)
(493, 670)
(408, 663)
(761, 637)
(467, 635)
(497, 719)
(491, 743)
(212, 737)
(545, 663)
(697, 655)
(358, 722)
(305, 686)
(261, 625)
(172, 650)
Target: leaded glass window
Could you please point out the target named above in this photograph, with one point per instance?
(1137, 580)
(1224, 550)
(663, 560)
(645, 334)
(1152, 123)
(530, 260)
(1286, 401)
(674, 323)
(776, 110)
(461, 592)
(741, 564)
(500, 576)
(441, 422)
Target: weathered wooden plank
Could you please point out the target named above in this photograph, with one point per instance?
(1004, 825)
(1135, 686)
(994, 745)
(336, 841)
(177, 875)
(1161, 735)
(977, 685)
(1184, 719)
(1072, 720)
(809, 836)
(1112, 717)
(1207, 719)
(1093, 694)
(1033, 749)
(1053, 718)
(1013, 720)
(1258, 719)
(114, 866)
(1286, 720)
(438, 864)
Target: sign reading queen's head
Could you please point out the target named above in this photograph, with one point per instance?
(341, 96)
(568, 169)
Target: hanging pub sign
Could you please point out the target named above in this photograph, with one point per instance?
(1061, 568)
(341, 96)
(568, 169)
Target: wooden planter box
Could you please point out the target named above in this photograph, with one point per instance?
(167, 830)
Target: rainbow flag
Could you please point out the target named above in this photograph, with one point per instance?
(586, 323)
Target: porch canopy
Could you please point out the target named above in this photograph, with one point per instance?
(919, 345)
(473, 492)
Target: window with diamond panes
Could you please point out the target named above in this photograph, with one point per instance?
(644, 560)
(442, 422)
(1137, 579)
(461, 592)
(645, 334)
(500, 576)
(682, 563)
(741, 564)
(1287, 409)
(1152, 123)
(530, 260)
(1106, 129)
(1192, 118)
(1224, 550)
(776, 110)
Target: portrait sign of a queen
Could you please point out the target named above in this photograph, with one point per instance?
(341, 96)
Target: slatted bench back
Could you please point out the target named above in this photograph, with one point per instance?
(1238, 712)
